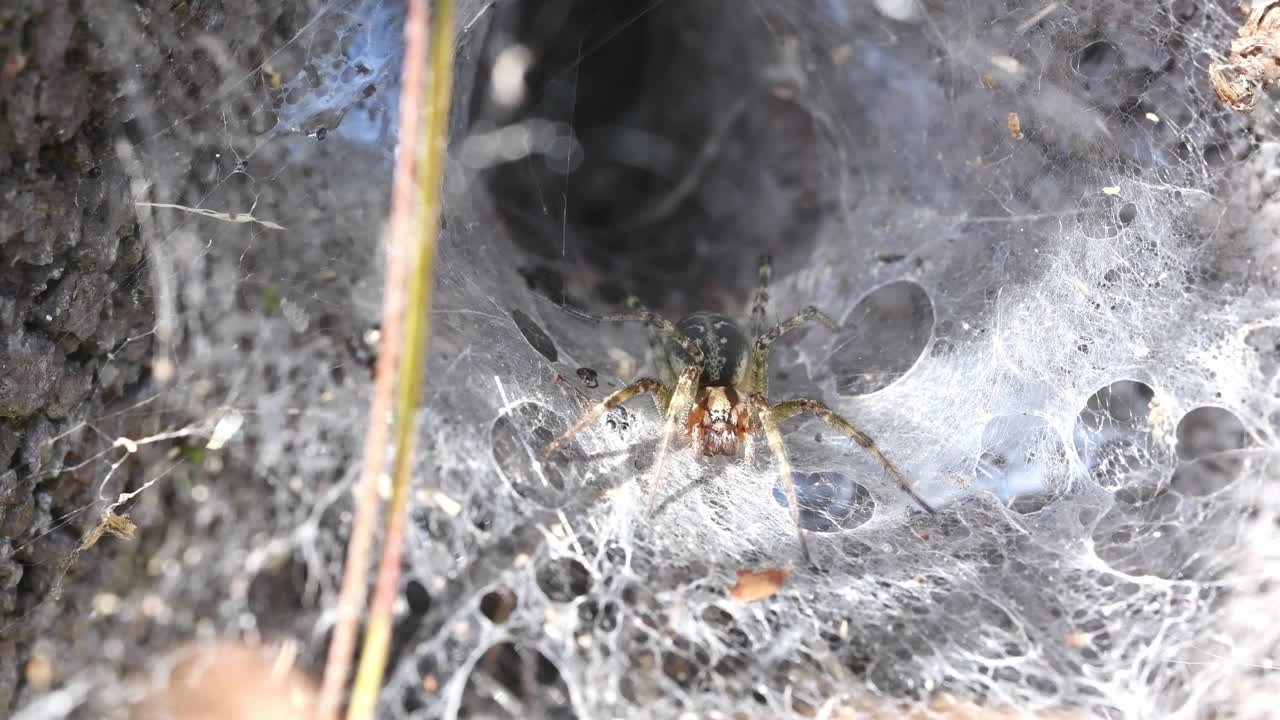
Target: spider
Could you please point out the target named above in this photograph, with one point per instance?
(715, 390)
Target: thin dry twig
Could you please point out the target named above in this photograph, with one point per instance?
(231, 217)
(351, 598)
(1254, 62)
(417, 326)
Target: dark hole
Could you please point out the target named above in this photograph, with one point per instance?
(1206, 438)
(678, 668)
(1098, 60)
(882, 338)
(535, 335)
(276, 594)
(516, 438)
(829, 501)
(609, 617)
(1114, 439)
(511, 678)
(564, 579)
(623, 99)
(481, 513)
(419, 600)
(1208, 430)
(589, 377)
(615, 554)
(497, 605)
(545, 281)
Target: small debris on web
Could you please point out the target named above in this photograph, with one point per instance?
(225, 429)
(233, 217)
(116, 526)
(756, 585)
(1254, 62)
(1078, 640)
(1015, 127)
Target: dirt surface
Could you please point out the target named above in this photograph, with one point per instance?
(76, 310)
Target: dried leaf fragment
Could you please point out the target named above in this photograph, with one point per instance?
(1015, 127)
(117, 526)
(756, 585)
(1254, 61)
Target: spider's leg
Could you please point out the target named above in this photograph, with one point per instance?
(693, 353)
(644, 385)
(789, 408)
(677, 410)
(662, 359)
(760, 303)
(768, 423)
(807, 315)
(758, 377)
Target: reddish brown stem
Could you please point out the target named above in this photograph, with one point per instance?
(351, 599)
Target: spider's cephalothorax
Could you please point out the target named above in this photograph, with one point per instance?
(715, 386)
(718, 421)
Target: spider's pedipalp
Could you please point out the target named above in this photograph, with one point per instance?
(677, 409)
(660, 394)
(790, 408)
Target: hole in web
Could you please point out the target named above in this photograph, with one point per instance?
(829, 501)
(535, 335)
(1103, 216)
(1206, 437)
(509, 679)
(1098, 60)
(1023, 462)
(1113, 435)
(882, 338)
(277, 592)
(564, 579)
(497, 605)
(1265, 342)
(417, 597)
(517, 436)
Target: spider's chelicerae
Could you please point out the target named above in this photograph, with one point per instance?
(715, 390)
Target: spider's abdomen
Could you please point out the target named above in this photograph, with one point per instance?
(723, 344)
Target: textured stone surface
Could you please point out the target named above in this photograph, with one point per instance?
(70, 267)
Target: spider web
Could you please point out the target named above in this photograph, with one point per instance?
(1062, 329)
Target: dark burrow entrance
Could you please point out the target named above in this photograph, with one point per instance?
(652, 148)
